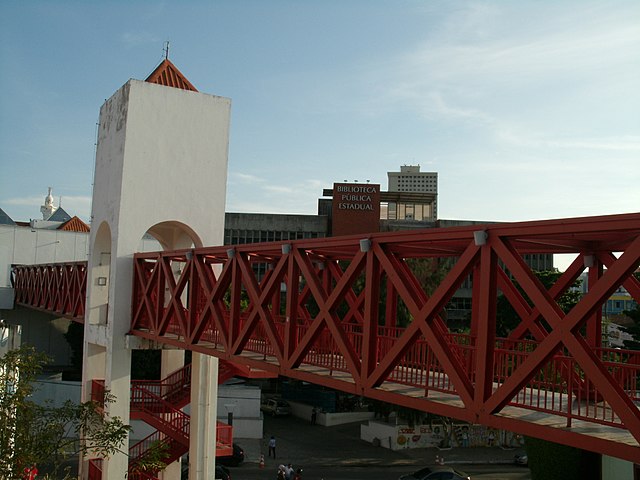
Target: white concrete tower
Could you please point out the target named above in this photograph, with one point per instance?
(161, 168)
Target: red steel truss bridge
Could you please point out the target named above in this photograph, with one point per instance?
(362, 314)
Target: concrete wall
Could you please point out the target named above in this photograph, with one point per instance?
(304, 410)
(7, 296)
(173, 166)
(30, 246)
(401, 436)
(57, 392)
(42, 331)
(25, 245)
(616, 469)
(278, 222)
(244, 402)
(380, 433)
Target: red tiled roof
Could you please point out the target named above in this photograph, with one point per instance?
(168, 75)
(74, 225)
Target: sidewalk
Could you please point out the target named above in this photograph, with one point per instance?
(465, 456)
(300, 443)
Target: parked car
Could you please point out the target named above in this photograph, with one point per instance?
(233, 460)
(275, 407)
(521, 460)
(436, 472)
(222, 473)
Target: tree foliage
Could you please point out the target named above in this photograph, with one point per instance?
(506, 317)
(429, 272)
(45, 435)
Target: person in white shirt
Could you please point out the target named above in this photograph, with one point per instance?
(272, 446)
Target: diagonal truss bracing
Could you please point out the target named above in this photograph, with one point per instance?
(58, 288)
(363, 315)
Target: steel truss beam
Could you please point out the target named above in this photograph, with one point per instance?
(352, 313)
(58, 288)
(328, 328)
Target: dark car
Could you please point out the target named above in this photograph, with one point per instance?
(436, 473)
(521, 460)
(233, 460)
(222, 473)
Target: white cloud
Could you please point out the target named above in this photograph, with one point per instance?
(453, 72)
(25, 201)
(279, 189)
(245, 178)
(532, 139)
(298, 197)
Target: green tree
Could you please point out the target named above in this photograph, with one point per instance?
(429, 272)
(46, 435)
(506, 317)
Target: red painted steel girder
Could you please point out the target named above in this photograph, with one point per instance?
(58, 288)
(316, 316)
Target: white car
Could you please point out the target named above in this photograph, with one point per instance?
(275, 407)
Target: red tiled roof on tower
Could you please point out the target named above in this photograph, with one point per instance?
(168, 75)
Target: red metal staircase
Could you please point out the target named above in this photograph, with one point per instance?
(159, 404)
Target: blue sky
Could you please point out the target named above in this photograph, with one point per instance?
(527, 110)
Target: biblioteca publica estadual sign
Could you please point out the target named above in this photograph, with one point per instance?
(356, 197)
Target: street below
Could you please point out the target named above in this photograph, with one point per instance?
(337, 453)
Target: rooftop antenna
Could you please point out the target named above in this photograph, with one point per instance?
(166, 50)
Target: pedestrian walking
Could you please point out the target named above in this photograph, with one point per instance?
(288, 472)
(314, 415)
(281, 474)
(465, 439)
(272, 446)
(492, 437)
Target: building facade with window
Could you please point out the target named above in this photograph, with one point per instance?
(411, 180)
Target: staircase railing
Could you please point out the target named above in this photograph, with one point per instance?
(174, 422)
(159, 404)
(175, 388)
